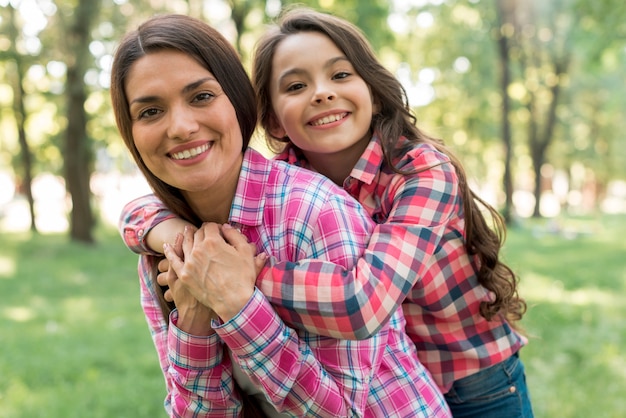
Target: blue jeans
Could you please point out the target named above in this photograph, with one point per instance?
(499, 391)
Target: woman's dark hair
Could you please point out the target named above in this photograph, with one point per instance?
(394, 121)
(209, 48)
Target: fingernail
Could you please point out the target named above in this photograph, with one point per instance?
(227, 226)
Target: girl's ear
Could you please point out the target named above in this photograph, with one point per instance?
(275, 128)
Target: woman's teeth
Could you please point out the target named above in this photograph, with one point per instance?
(190, 153)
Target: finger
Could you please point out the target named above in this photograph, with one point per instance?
(187, 243)
(237, 239)
(211, 229)
(168, 296)
(176, 263)
(162, 279)
(259, 262)
(164, 265)
(178, 246)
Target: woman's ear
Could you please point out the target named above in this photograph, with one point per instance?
(275, 128)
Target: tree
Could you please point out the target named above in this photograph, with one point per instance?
(505, 29)
(78, 152)
(19, 111)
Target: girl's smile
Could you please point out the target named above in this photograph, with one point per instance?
(320, 102)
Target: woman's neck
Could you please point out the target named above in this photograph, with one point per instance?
(213, 204)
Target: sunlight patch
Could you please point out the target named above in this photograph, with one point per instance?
(543, 289)
(19, 313)
(7, 267)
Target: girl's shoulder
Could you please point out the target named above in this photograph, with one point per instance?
(419, 156)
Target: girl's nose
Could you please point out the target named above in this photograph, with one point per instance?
(324, 94)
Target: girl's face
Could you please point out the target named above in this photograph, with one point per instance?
(183, 124)
(318, 99)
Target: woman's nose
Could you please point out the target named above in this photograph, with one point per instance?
(182, 123)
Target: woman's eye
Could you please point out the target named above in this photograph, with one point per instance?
(148, 113)
(203, 97)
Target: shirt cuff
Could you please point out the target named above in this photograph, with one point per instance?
(254, 328)
(191, 351)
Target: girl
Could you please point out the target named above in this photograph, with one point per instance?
(186, 111)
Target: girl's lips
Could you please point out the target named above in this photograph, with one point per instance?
(327, 119)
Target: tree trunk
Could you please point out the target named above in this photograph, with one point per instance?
(78, 152)
(540, 140)
(19, 110)
(505, 10)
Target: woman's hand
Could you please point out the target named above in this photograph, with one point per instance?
(193, 317)
(219, 275)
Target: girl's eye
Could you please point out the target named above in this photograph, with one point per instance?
(341, 74)
(203, 97)
(295, 86)
(148, 113)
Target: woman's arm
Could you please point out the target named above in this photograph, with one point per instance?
(301, 374)
(197, 374)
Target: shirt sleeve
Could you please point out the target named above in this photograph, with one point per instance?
(302, 375)
(361, 300)
(197, 374)
(138, 217)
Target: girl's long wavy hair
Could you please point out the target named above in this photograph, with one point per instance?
(394, 121)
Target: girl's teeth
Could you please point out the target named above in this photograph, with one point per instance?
(328, 119)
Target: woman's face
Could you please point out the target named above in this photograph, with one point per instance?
(183, 124)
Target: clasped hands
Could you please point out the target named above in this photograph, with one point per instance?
(210, 272)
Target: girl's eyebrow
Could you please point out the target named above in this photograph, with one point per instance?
(297, 71)
(189, 87)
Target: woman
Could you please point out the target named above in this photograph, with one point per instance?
(186, 111)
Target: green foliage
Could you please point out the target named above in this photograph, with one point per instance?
(574, 280)
(74, 340)
(75, 343)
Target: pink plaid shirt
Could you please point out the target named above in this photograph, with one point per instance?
(416, 259)
(291, 214)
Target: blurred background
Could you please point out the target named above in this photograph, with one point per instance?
(531, 94)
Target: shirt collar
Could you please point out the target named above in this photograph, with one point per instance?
(247, 208)
(369, 163)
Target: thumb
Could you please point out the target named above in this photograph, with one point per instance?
(259, 262)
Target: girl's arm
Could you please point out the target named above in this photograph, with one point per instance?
(361, 300)
(145, 224)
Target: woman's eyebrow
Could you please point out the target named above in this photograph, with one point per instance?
(189, 87)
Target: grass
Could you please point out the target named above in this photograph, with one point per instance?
(574, 280)
(75, 343)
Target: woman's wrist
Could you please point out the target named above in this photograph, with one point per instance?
(195, 320)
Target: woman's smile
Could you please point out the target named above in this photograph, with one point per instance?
(184, 125)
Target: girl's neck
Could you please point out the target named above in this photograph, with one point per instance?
(337, 166)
